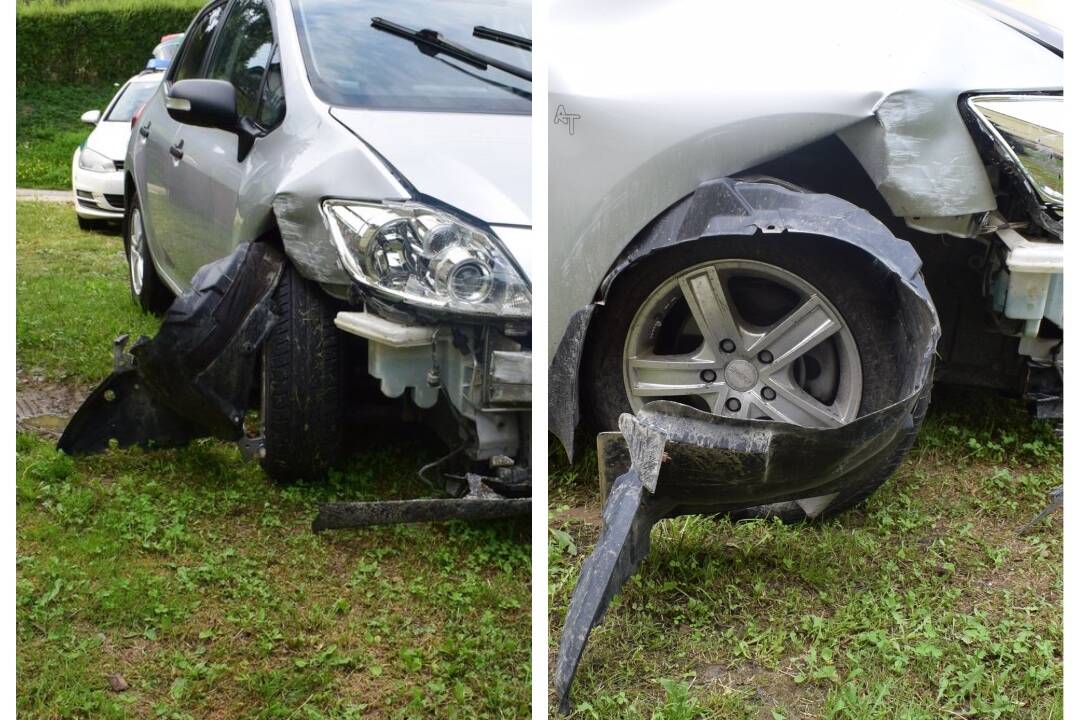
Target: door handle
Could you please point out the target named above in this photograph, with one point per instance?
(177, 150)
(145, 130)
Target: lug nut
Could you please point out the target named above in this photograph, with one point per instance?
(727, 345)
(765, 356)
(768, 393)
(733, 404)
(708, 376)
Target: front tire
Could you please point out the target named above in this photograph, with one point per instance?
(147, 289)
(635, 331)
(301, 384)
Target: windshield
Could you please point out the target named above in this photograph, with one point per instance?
(351, 64)
(129, 100)
(167, 50)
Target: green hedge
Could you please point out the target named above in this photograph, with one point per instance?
(92, 41)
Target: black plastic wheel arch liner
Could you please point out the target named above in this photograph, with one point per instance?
(194, 378)
(729, 207)
(671, 459)
(676, 460)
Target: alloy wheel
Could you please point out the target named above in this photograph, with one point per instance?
(746, 339)
(135, 251)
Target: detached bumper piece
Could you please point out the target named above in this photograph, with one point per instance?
(481, 503)
(674, 460)
(194, 378)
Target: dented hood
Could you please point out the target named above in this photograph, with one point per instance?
(475, 162)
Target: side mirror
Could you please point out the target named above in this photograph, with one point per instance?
(91, 117)
(205, 103)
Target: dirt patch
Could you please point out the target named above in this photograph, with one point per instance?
(585, 515)
(44, 408)
(769, 688)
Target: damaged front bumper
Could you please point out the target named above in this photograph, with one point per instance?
(485, 374)
(196, 378)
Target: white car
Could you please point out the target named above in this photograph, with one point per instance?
(97, 167)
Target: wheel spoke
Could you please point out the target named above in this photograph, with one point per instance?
(802, 330)
(672, 375)
(135, 252)
(717, 400)
(793, 405)
(719, 405)
(711, 307)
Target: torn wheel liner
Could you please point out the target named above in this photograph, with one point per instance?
(194, 378)
(724, 209)
(671, 459)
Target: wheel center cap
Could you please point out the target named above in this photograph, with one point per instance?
(740, 375)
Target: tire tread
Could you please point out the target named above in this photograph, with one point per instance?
(301, 384)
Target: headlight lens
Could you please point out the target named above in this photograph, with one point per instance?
(426, 257)
(95, 162)
(1030, 131)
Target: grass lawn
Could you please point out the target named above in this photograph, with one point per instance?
(47, 130)
(197, 581)
(71, 296)
(922, 604)
(81, 5)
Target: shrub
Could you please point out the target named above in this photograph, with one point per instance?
(92, 41)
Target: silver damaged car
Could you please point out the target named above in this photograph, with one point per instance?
(384, 147)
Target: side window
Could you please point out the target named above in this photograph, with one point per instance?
(196, 46)
(243, 53)
(272, 103)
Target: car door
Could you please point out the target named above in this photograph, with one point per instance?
(167, 203)
(210, 173)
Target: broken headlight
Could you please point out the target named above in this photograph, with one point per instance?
(427, 257)
(1030, 132)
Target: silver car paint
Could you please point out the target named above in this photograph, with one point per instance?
(313, 155)
(471, 161)
(666, 96)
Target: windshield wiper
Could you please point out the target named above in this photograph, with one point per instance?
(524, 94)
(500, 36)
(432, 43)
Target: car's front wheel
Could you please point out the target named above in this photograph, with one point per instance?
(147, 289)
(766, 327)
(302, 368)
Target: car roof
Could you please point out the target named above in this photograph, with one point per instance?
(148, 77)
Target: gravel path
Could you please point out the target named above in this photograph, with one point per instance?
(63, 196)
